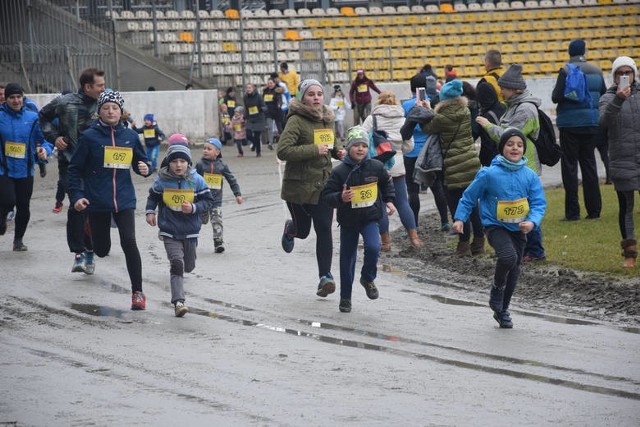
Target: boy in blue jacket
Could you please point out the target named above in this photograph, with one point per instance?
(181, 195)
(512, 203)
(153, 136)
(358, 187)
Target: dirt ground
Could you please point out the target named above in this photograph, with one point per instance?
(542, 286)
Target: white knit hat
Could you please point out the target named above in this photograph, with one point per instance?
(622, 61)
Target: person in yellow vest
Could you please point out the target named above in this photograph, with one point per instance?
(290, 78)
(494, 69)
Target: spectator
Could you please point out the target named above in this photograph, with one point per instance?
(290, 78)
(360, 96)
(494, 69)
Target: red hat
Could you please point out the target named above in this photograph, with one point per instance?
(178, 139)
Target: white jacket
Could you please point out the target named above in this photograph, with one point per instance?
(390, 118)
(340, 110)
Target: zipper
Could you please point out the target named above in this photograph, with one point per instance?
(113, 179)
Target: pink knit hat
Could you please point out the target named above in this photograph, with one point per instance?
(178, 139)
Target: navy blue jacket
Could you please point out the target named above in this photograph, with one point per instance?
(153, 141)
(107, 189)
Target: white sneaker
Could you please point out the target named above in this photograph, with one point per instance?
(181, 309)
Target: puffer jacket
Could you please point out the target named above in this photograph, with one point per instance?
(20, 127)
(75, 112)
(107, 189)
(306, 172)
(352, 174)
(390, 119)
(174, 224)
(453, 122)
(217, 166)
(621, 118)
(522, 113)
(579, 116)
(499, 182)
(253, 103)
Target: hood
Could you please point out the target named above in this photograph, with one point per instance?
(459, 100)
(524, 97)
(386, 110)
(297, 107)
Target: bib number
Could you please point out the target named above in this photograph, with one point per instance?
(514, 211)
(364, 195)
(268, 97)
(149, 133)
(323, 137)
(16, 150)
(118, 157)
(231, 103)
(174, 198)
(363, 88)
(253, 110)
(237, 127)
(339, 103)
(213, 180)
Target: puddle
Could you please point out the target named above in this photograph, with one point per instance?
(99, 310)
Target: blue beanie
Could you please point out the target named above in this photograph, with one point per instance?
(149, 117)
(215, 142)
(451, 89)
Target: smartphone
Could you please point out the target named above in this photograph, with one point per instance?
(624, 82)
(421, 94)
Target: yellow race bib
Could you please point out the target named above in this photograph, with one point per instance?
(213, 180)
(16, 150)
(237, 127)
(225, 120)
(514, 211)
(118, 157)
(231, 103)
(364, 195)
(173, 198)
(323, 137)
(339, 103)
(149, 133)
(268, 97)
(363, 88)
(253, 110)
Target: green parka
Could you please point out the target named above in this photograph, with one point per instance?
(306, 172)
(461, 162)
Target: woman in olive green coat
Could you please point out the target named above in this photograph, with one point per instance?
(461, 163)
(307, 145)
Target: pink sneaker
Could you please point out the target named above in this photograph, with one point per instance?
(138, 301)
(57, 208)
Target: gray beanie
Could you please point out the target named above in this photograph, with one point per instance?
(356, 134)
(306, 84)
(178, 151)
(512, 78)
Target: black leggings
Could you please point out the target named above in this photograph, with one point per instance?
(100, 223)
(322, 216)
(453, 198)
(17, 192)
(413, 190)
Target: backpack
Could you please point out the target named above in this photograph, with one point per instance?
(549, 152)
(380, 148)
(575, 85)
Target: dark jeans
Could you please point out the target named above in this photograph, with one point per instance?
(578, 149)
(349, 237)
(78, 231)
(17, 192)
(413, 190)
(254, 137)
(100, 223)
(322, 216)
(453, 198)
(509, 247)
(534, 246)
(625, 214)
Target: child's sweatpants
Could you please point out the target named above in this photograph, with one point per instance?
(182, 257)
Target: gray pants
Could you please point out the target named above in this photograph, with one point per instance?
(182, 257)
(361, 112)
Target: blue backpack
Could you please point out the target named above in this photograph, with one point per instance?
(575, 85)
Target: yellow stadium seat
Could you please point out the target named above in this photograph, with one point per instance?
(292, 35)
(349, 33)
(363, 33)
(377, 32)
(348, 11)
(319, 33)
(186, 37)
(435, 51)
(329, 44)
(232, 14)
(446, 8)
(535, 57)
(369, 21)
(547, 68)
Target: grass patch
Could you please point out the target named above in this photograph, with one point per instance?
(588, 245)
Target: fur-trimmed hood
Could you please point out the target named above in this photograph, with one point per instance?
(460, 100)
(297, 107)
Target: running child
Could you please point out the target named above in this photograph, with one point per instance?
(238, 127)
(153, 136)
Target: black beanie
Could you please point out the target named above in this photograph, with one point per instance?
(13, 89)
(577, 47)
(508, 133)
(512, 78)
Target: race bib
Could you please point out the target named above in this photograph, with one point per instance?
(16, 150)
(364, 195)
(514, 211)
(237, 127)
(118, 157)
(268, 97)
(363, 88)
(253, 110)
(213, 180)
(225, 120)
(231, 103)
(323, 137)
(149, 133)
(173, 198)
(339, 103)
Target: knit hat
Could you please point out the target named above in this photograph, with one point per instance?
(512, 78)
(337, 88)
(432, 86)
(508, 133)
(356, 134)
(239, 109)
(215, 142)
(149, 117)
(306, 84)
(577, 47)
(178, 151)
(451, 89)
(111, 96)
(13, 89)
(178, 139)
(620, 61)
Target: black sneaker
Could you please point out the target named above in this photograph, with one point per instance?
(503, 319)
(219, 245)
(287, 239)
(326, 286)
(345, 305)
(370, 288)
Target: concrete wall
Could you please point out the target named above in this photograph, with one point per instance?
(193, 113)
